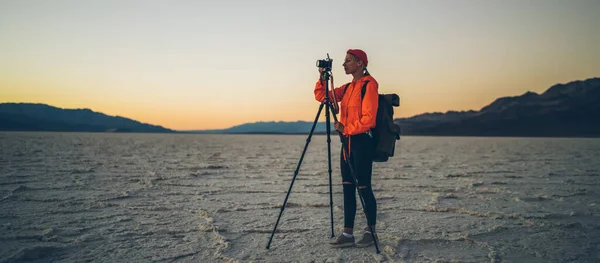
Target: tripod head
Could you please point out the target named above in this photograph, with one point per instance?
(326, 65)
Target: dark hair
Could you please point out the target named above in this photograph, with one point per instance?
(365, 71)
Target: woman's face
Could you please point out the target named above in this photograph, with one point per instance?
(351, 65)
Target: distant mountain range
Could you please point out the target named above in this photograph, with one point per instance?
(564, 110)
(267, 127)
(42, 117)
(569, 110)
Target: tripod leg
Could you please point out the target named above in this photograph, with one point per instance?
(296, 173)
(353, 174)
(328, 129)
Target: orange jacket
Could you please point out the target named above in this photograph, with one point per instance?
(356, 117)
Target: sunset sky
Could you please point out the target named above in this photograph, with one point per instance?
(215, 64)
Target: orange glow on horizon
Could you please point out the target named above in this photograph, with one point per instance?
(162, 65)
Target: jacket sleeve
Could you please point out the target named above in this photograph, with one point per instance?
(368, 118)
(320, 91)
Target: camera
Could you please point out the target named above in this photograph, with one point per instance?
(325, 63)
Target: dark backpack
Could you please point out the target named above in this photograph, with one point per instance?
(386, 132)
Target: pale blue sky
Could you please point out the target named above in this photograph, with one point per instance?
(215, 64)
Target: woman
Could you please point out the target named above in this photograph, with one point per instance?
(357, 117)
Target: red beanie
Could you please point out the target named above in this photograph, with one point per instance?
(359, 54)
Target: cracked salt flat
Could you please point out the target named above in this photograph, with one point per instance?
(73, 197)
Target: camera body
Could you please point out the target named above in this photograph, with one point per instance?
(324, 63)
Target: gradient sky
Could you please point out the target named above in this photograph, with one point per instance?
(216, 64)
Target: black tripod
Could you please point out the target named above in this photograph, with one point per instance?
(326, 102)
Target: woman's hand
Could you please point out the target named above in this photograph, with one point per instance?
(339, 127)
(321, 73)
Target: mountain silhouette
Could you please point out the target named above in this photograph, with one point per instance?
(571, 109)
(42, 117)
(267, 127)
(565, 110)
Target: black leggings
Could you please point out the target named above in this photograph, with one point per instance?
(361, 158)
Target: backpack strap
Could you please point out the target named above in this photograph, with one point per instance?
(363, 90)
(346, 87)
